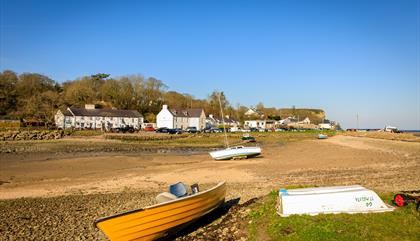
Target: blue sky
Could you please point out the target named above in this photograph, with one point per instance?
(346, 57)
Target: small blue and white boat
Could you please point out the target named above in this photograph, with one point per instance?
(322, 136)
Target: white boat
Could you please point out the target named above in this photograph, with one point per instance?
(338, 199)
(235, 152)
(391, 129)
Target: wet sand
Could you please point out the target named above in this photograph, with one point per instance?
(106, 183)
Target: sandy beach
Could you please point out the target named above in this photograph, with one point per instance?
(60, 195)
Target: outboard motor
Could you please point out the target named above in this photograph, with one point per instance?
(178, 189)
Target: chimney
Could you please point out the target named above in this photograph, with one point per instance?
(211, 115)
(227, 117)
(165, 107)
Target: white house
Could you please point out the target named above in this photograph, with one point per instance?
(92, 118)
(305, 121)
(255, 124)
(326, 124)
(181, 118)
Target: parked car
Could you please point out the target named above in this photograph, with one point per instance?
(213, 130)
(175, 131)
(216, 130)
(191, 129)
(125, 129)
(149, 128)
(253, 129)
(162, 130)
(235, 129)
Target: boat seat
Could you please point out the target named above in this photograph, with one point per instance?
(178, 189)
(165, 197)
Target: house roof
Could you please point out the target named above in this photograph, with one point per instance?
(252, 111)
(191, 112)
(101, 112)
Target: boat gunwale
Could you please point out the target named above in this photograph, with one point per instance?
(175, 214)
(387, 208)
(97, 221)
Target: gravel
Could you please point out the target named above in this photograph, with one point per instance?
(71, 217)
(65, 217)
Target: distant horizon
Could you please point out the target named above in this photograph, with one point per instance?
(348, 58)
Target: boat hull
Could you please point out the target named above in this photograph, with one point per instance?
(229, 153)
(339, 199)
(158, 220)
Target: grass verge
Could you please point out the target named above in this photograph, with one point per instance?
(265, 224)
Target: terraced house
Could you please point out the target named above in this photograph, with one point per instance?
(93, 118)
(181, 118)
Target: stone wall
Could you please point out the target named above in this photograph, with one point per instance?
(26, 135)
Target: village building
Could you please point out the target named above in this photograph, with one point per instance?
(260, 124)
(92, 118)
(255, 124)
(293, 122)
(253, 112)
(326, 124)
(270, 124)
(212, 121)
(288, 121)
(305, 121)
(181, 118)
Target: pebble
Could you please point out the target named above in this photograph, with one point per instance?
(71, 217)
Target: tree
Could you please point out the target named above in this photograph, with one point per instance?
(260, 107)
(78, 93)
(8, 93)
(177, 100)
(214, 105)
(36, 96)
(150, 117)
(120, 93)
(152, 96)
(95, 82)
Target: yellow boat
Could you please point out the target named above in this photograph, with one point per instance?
(156, 221)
